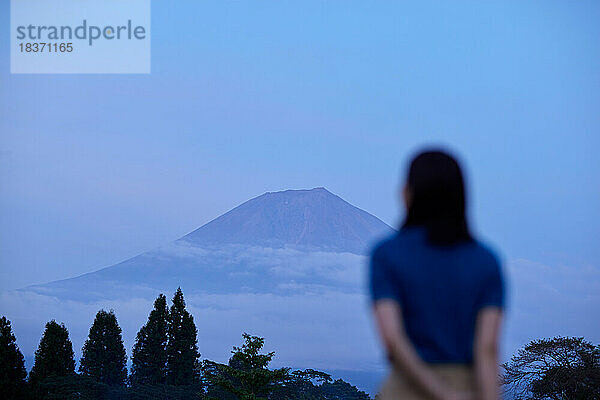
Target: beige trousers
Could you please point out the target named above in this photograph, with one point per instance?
(397, 387)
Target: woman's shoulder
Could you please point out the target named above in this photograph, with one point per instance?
(404, 239)
(485, 250)
(484, 255)
(383, 246)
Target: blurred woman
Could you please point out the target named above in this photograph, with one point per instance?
(437, 293)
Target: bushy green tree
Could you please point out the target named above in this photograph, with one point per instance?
(149, 358)
(562, 368)
(182, 346)
(164, 392)
(12, 366)
(342, 390)
(104, 356)
(247, 376)
(214, 380)
(302, 385)
(315, 385)
(75, 387)
(54, 355)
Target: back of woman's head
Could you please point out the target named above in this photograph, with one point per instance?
(436, 198)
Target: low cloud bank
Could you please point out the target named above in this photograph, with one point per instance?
(324, 329)
(318, 326)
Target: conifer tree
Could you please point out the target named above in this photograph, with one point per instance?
(247, 376)
(182, 347)
(149, 358)
(104, 355)
(12, 366)
(54, 356)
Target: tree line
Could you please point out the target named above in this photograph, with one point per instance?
(165, 364)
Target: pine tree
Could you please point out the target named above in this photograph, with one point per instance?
(12, 367)
(104, 355)
(182, 348)
(54, 356)
(149, 358)
(247, 376)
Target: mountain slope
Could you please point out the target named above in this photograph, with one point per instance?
(278, 242)
(313, 219)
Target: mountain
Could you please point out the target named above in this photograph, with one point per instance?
(271, 243)
(313, 219)
(289, 266)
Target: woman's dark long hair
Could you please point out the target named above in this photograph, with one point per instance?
(437, 198)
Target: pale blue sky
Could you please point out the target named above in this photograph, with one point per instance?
(248, 97)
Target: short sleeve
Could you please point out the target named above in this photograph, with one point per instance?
(492, 294)
(382, 284)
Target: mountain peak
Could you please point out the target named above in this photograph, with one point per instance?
(315, 190)
(310, 218)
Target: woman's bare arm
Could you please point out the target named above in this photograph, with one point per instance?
(404, 355)
(485, 353)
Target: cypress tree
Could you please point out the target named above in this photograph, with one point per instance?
(12, 366)
(149, 358)
(54, 355)
(104, 355)
(182, 347)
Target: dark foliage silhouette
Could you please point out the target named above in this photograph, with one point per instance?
(562, 368)
(149, 357)
(182, 347)
(246, 376)
(12, 367)
(54, 356)
(104, 356)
